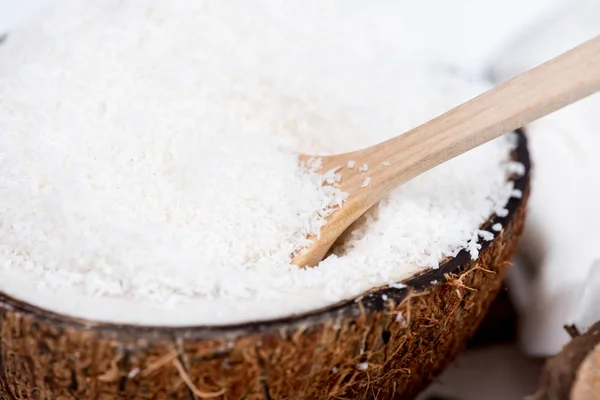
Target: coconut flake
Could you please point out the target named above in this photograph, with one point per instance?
(485, 235)
(363, 366)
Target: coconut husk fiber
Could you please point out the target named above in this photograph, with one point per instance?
(499, 325)
(387, 344)
(574, 373)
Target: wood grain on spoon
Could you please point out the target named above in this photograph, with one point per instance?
(509, 106)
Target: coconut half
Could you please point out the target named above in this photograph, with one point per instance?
(388, 343)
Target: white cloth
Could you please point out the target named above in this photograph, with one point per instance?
(561, 239)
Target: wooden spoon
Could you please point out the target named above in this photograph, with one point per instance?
(531, 95)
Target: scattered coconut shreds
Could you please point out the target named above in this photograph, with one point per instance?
(485, 235)
(503, 212)
(366, 182)
(473, 246)
(351, 164)
(497, 227)
(133, 373)
(513, 140)
(314, 164)
(386, 164)
(331, 177)
(516, 168)
(384, 297)
(363, 366)
(156, 218)
(516, 193)
(334, 370)
(397, 285)
(400, 318)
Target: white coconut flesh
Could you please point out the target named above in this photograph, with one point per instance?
(148, 167)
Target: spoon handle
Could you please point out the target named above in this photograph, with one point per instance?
(511, 105)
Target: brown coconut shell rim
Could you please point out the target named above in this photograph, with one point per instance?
(369, 302)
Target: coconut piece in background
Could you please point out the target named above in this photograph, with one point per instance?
(561, 239)
(574, 372)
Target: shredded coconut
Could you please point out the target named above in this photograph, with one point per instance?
(386, 164)
(363, 168)
(485, 235)
(497, 227)
(366, 182)
(516, 168)
(502, 212)
(351, 164)
(149, 159)
(363, 366)
(397, 285)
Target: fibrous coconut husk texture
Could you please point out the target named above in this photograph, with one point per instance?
(388, 344)
(574, 373)
(499, 324)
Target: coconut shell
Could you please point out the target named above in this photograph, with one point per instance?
(387, 344)
(574, 373)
